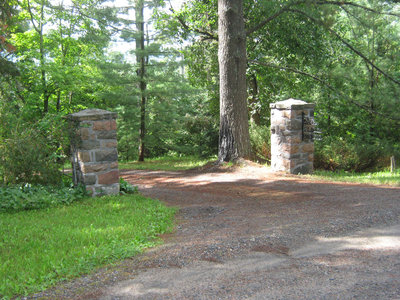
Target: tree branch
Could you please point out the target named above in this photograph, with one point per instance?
(320, 80)
(32, 19)
(348, 3)
(83, 14)
(339, 3)
(269, 19)
(206, 35)
(347, 44)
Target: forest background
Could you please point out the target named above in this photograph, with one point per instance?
(56, 57)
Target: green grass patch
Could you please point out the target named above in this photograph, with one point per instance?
(41, 247)
(383, 177)
(166, 163)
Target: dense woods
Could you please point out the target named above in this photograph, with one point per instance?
(159, 66)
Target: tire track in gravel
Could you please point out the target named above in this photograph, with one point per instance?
(254, 234)
(248, 233)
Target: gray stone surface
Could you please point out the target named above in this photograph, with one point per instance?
(89, 144)
(292, 128)
(94, 150)
(107, 135)
(89, 179)
(92, 115)
(291, 104)
(106, 155)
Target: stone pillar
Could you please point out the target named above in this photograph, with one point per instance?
(292, 136)
(94, 153)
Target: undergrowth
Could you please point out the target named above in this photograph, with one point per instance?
(27, 196)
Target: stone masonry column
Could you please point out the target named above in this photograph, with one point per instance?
(94, 153)
(292, 136)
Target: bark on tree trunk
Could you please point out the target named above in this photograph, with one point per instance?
(58, 105)
(254, 112)
(234, 140)
(140, 59)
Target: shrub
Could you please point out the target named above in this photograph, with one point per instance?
(126, 188)
(260, 140)
(350, 154)
(33, 153)
(27, 196)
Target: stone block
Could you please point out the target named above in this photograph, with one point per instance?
(292, 133)
(92, 114)
(302, 169)
(287, 114)
(294, 148)
(289, 163)
(109, 177)
(107, 135)
(296, 139)
(105, 125)
(96, 155)
(309, 148)
(98, 167)
(298, 114)
(94, 167)
(291, 104)
(84, 156)
(109, 143)
(89, 179)
(291, 140)
(106, 155)
(89, 145)
(294, 125)
(113, 165)
(84, 133)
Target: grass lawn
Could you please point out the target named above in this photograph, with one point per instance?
(383, 177)
(166, 163)
(40, 247)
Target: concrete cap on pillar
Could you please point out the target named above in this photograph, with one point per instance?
(92, 115)
(291, 104)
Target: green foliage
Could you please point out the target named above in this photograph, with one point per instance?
(177, 118)
(57, 50)
(42, 247)
(126, 188)
(352, 154)
(32, 152)
(306, 52)
(27, 197)
(260, 139)
(319, 52)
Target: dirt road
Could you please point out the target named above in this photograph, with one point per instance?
(251, 234)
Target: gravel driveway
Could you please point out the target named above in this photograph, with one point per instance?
(248, 233)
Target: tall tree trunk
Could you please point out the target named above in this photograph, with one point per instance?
(234, 139)
(140, 59)
(58, 101)
(254, 112)
(46, 95)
